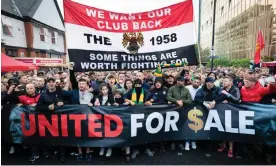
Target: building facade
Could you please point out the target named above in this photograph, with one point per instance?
(237, 23)
(32, 28)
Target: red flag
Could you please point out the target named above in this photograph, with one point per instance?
(259, 47)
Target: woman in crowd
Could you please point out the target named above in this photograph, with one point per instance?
(128, 86)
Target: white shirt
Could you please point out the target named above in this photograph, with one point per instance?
(192, 90)
(85, 97)
(105, 98)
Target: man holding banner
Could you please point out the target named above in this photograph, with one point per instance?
(179, 95)
(50, 101)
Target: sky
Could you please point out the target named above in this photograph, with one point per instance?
(131, 6)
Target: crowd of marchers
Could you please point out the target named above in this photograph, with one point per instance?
(49, 90)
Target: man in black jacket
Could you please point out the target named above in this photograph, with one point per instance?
(229, 94)
(50, 101)
(208, 93)
(40, 85)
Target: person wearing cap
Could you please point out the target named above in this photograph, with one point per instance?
(208, 93)
(49, 101)
(180, 95)
(253, 91)
(14, 89)
(170, 81)
(214, 76)
(158, 93)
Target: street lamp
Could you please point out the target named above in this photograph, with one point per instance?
(213, 36)
(212, 57)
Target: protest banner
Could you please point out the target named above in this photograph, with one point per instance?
(81, 125)
(103, 40)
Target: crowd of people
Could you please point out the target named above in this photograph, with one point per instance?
(47, 91)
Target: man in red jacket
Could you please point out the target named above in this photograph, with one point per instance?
(29, 99)
(253, 91)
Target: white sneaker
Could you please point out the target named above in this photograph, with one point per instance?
(187, 146)
(12, 150)
(149, 153)
(108, 152)
(194, 145)
(101, 152)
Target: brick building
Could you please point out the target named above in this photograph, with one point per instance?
(32, 28)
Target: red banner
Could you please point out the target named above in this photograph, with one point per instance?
(99, 19)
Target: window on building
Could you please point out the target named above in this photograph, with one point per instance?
(11, 52)
(7, 26)
(54, 37)
(44, 34)
(222, 10)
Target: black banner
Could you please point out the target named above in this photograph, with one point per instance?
(87, 60)
(81, 125)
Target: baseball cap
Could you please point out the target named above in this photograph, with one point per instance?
(180, 78)
(51, 79)
(158, 79)
(209, 79)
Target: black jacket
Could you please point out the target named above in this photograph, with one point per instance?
(49, 98)
(110, 99)
(238, 82)
(158, 95)
(234, 95)
(204, 94)
(40, 90)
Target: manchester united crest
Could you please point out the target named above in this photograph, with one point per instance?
(133, 41)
